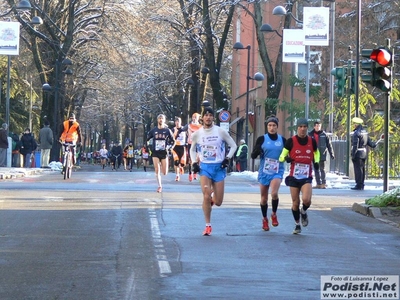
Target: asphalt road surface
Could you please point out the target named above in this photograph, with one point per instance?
(109, 235)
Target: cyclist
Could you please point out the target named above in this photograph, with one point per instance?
(71, 133)
(116, 155)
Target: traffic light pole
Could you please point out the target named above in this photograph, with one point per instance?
(386, 128)
(348, 137)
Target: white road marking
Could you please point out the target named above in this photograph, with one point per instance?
(163, 263)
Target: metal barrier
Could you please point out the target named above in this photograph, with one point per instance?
(374, 163)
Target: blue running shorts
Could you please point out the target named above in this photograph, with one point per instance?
(213, 171)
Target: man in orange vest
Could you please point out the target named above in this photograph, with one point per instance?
(71, 133)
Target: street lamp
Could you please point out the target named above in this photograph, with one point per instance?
(282, 11)
(257, 76)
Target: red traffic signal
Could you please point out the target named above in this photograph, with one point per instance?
(379, 64)
(381, 56)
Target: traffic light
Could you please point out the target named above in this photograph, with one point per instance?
(353, 80)
(380, 66)
(341, 76)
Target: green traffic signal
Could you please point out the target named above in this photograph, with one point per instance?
(340, 74)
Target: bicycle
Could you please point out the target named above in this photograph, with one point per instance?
(68, 162)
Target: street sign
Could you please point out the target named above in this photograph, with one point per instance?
(224, 116)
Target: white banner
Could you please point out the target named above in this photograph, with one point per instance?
(293, 46)
(316, 26)
(9, 38)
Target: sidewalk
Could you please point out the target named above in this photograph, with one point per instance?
(8, 173)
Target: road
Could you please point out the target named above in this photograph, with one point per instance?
(109, 235)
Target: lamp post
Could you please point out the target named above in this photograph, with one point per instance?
(257, 76)
(282, 11)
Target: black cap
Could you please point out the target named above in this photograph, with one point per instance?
(272, 119)
(207, 110)
(301, 122)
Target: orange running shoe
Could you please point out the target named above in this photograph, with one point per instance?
(274, 220)
(190, 177)
(159, 190)
(207, 231)
(265, 225)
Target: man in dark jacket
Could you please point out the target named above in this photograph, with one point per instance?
(116, 155)
(46, 143)
(28, 145)
(324, 146)
(3, 145)
(359, 141)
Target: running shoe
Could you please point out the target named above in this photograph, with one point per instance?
(207, 231)
(297, 229)
(265, 225)
(177, 178)
(304, 218)
(159, 190)
(190, 177)
(274, 220)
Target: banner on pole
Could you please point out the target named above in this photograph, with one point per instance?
(293, 46)
(9, 38)
(316, 26)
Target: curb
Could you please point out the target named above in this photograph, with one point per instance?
(372, 211)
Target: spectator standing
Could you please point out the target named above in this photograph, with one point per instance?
(3, 145)
(16, 147)
(324, 146)
(28, 145)
(241, 156)
(46, 143)
(360, 141)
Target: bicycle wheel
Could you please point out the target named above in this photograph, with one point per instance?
(69, 166)
(66, 163)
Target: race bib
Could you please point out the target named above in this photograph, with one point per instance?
(271, 166)
(160, 145)
(145, 155)
(130, 152)
(301, 171)
(209, 153)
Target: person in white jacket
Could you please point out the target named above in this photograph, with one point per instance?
(211, 162)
